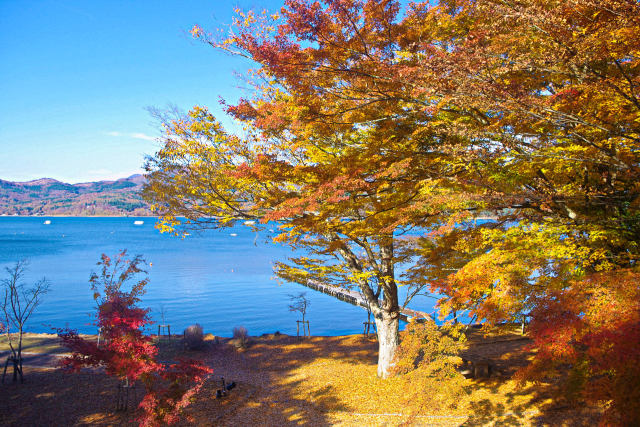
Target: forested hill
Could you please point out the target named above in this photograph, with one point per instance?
(47, 196)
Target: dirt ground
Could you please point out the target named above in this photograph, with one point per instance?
(283, 381)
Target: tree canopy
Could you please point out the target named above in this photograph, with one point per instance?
(367, 119)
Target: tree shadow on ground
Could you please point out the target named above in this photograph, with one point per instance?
(270, 388)
(526, 404)
(530, 405)
(282, 380)
(50, 397)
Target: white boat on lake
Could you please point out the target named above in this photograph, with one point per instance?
(47, 222)
(138, 222)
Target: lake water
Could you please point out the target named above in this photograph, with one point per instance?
(215, 279)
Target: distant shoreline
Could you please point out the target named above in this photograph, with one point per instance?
(49, 197)
(479, 218)
(77, 216)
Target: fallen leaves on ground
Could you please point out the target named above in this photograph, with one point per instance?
(283, 380)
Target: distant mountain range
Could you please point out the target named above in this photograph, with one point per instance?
(47, 196)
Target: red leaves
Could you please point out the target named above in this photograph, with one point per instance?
(171, 390)
(85, 353)
(126, 352)
(594, 327)
(243, 111)
(568, 93)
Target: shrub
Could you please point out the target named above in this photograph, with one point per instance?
(210, 338)
(427, 358)
(194, 337)
(240, 337)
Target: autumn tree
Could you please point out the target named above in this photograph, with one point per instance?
(344, 170)
(559, 81)
(336, 215)
(526, 110)
(545, 94)
(127, 353)
(554, 88)
(592, 329)
(532, 106)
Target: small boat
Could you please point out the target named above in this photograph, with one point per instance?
(233, 234)
(47, 222)
(249, 222)
(138, 222)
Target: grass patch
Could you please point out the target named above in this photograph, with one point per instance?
(37, 343)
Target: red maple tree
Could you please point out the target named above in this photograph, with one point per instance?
(128, 354)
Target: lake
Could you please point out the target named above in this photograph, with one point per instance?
(219, 279)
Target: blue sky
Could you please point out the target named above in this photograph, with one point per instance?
(76, 78)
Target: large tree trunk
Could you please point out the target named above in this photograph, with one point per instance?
(387, 311)
(388, 339)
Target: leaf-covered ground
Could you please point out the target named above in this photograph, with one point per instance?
(285, 381)
(38, 343)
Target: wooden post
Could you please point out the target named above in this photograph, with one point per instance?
(122, 401)
(304, 331)
(17, 369)
(367, 328)
(163, 327)
(5, 369)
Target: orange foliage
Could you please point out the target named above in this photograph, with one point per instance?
(428, 357)
(368, 120)
(593, 328)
